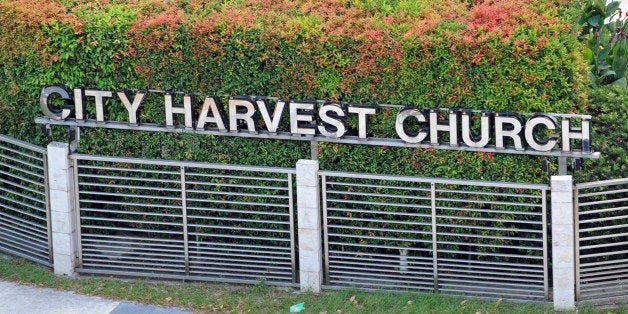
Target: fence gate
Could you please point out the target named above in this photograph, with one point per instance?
(185, 220)
(602, 245)
(446, 236)
(24, 210)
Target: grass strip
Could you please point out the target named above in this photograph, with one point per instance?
(203, 297)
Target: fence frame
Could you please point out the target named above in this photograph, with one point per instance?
(432, 211)
(184, 194)
(47, 258)
(579, 207)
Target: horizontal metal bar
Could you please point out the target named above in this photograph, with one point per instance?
(332, 184)
(229, 236)
(525, 222)
(130, 187)
(39, 165)
(19, 239)
(382, 221)
(381, 230)
(221, 176)
(359, 255)
(604, 228)
(90, 201)
(600, 193)
(23, 144)
(143, 222)
(108, 177)
(129, 238)
(619, 271)
(186, 164)
(253, 256)
(348, 282)
(266, 248)
(434, 180)
(500, 194)
(518, 272)
(377, 246)
(604, 245)
(584, 221)
(378, 238)
(125, 212)
(500, 279)
(129, 170)
(601, 211)
(492, 211)
(235, 211)
(521, 266)
(478, 236)
(229, 269)
(23, 171)
(118, 247)
(610, 201)
(235, 194)
(532, 257)
(380, 264)
(492, 245)
(23, 187)
(237, 220)
(131, 196)
(280, 205)
(33, 182)
(379, 195)
(87, 227)
(583, 256)
(42, 259)
(483, 202)
(487, 228)
(603, 183)
(377, 212)
(237, 228)
(21, 195)
(396, 205)
(585, 265)
(25, 205)
(376, 272)
(239, 186)
(24, 231)
(41, 218)
(377, 281)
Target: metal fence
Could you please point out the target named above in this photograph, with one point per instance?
(185, 220)
(602, 241)
(24, 210)
(447, 236)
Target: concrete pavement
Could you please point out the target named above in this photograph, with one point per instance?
(21, 299)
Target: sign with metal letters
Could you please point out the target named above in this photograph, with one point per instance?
(564, 135)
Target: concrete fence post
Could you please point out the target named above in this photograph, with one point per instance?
(563, 243)
(62, 212)
(309, 222)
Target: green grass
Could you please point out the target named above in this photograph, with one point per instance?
(222, 298)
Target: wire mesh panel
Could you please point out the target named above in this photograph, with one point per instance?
(602, 241)
(185, 220)
(24, 213)
(457, 237)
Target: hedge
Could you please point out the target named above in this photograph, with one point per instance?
(497, 55)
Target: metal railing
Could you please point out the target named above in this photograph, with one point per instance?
(602, 241)
(24, 209)
(447, 236)
(185, 220)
